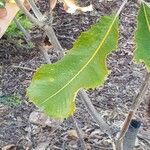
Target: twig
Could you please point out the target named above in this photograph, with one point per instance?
(95, 115)
(139, 98)
(48, 29)
(44, 52)
(121, 7)
(43, 25)
(28, 38)
(26, 35)
(36, 11)
(54, 41)
(24, 68)
(28, 14)
(141, 95)
(125, 126)
(79, 133)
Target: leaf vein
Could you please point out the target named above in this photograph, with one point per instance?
(146, 17)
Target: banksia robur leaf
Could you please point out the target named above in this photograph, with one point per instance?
(142, 36)
(54, 86)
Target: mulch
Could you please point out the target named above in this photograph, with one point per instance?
(112, 100)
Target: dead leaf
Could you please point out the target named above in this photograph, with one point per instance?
(72, 134)
(40, 119)
(12, 10)
(27, 5)
(71, 7)
(52, 4)
(9, 147)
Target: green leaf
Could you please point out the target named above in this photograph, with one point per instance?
(142, 36)
(2, 3)
(54, 87)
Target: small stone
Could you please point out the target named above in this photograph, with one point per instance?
(34, 129)
(88, 147)
(73, 145)
(42, 146)
(137, 144)
(95, 132)
(39, 118)
(72, 134)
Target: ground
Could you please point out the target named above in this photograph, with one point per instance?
(21, 125)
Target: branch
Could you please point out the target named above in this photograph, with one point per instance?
(28, 39)
(44, 52)
(141, 94)
(28, 14)
(36, 11)
(79, 133)
(54, 41)
(26, 35)
(139, 98)
(48, 29)
(95, 115)
(24, 68)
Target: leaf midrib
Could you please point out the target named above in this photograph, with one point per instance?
(146, 17)
(96, 51)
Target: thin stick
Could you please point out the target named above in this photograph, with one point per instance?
(28, 38)
(44, 52)
(26, 35)
(28, 14)
(79, 133)
(48, 29)
(95, 115)
(78, 130)
(36, 11)
(139, 98)
(24, 68)
(141, 95)
(53, 39)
